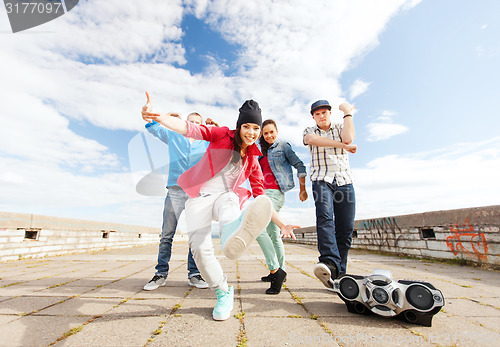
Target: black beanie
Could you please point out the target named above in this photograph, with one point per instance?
(250, 113)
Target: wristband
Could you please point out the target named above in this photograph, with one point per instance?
(348, 115)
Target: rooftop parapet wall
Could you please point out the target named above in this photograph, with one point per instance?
(464, 234)
(477, 216)
(33, 236)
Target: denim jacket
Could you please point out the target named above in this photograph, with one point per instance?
(281, 158)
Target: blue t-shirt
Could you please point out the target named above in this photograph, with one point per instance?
(183, 154)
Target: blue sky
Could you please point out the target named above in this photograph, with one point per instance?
(423, 74)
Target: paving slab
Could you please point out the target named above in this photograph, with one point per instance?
(89, 282)
(262, 305)
(285, 331)
(80, 307)
(63, 290)
(360, 330)
(98, 299)
(4, 319)
(171, 290)
(19, 288)
(37, 330)
(450, 330)
(114, 331)
(26, 304)
(143, 308)
(197, 330)
(110, 292)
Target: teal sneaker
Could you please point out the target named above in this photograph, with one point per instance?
(236, 236)
(224, 305)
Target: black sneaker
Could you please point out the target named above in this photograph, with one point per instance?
(326, 273)
(155, 282)
(198, 282)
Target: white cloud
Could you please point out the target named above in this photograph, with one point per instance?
(301, 216)
(114, 31)
(291, 47)
(41, 187)
(464, 175)
(94, 63)
(388, 113)
(34, 131)
(283, 47)
(384, 130)
(357, 88)
(383, 127)
(487, 52)
(480, 51)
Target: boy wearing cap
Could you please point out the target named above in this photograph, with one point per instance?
(332, 186)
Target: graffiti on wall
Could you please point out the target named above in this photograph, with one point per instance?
(465, 241)
(381, 223)
(383, 231)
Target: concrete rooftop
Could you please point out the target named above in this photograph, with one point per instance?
(96, 299)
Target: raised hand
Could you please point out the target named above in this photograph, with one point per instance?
(210, 121)
(147, 108)
(346, 108)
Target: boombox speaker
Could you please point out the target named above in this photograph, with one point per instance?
(413, 301)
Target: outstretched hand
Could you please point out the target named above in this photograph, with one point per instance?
(287, 231)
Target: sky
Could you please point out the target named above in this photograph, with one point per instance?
(424, 77)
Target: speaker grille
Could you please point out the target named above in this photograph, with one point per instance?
(395, 297)
(349, 288)
(380, 295)
(382, 308)
(420, 297)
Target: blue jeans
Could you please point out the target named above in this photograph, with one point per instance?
(335, 208)
(174, 205)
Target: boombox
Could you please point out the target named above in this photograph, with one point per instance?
(413, 301)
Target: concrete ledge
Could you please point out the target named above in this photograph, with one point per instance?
(470, 234)
(34, 236)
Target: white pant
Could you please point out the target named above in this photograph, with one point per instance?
(200, 212)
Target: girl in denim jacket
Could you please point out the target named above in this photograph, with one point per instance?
(276, 163)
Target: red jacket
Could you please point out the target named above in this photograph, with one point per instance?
(216, 157)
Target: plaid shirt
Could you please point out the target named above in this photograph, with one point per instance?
(329, 163)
